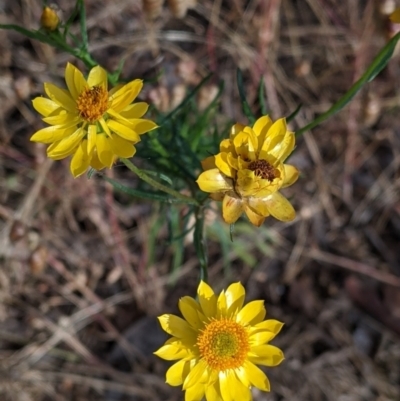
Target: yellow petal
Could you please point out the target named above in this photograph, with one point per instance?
(280, 207)
(266, 355)
(141, 126)
(235, 294)
(291, 175)
(171, 352)
(125, 95)
(232, 209)
(258, 206)
(254, 218)
(60, 96)
(176, 326)
(135, 110)
(189, 309)
(241, 375)
(197, 374)
(45, 106)
(123, 131)
(235, 130)
(214, 181)
(227, 386)
(221, 161)
(234, 388)
(104, 152)
(221, 305)
(97, 77)
(226, 146)
(395, 16)
(207, 299)
(63, 118)
(121, 147)
(67, 145)
(74, 80)
(252, 313)
(195, 393)
(80, 160)
(213, 392)
(95, 161)
(217, 196)
(257, 377)
(208, 163)
(104, 125)
(262, 337)
(53, 133)
(92, 136)
(177, 373)
(284, 148)
(260, 128)
(272, 325)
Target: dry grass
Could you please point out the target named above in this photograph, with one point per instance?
(79, 286)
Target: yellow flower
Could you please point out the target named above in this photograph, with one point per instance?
(49, 19)
(395, 16)
(249, 171)
(219, 344)
(87, 121)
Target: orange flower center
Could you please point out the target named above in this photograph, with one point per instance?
(224, 344)
(92, 103)
(264, 170)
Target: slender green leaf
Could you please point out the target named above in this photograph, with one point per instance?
(373, 70)
(199, 244)
(37, 35)
(159, 175)
(82, 18)
(261, 97)
(245, 105)
(291, 116)
(186, 100)
(141, 194)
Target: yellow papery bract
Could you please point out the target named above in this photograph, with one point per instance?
(219, 342)
(395, 16)
(108, 123)
(249, 172)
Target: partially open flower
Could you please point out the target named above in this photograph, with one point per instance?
(94, 125)
(248, 172)
(218, 345)
(49, 19)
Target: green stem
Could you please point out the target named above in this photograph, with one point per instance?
(143, 176)
(199, 244)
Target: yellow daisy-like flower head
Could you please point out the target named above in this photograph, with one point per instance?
(218, 344)
(94, 125)
(249, 171)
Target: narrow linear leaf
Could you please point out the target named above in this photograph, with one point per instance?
(373, 70)
(245, 105)
(82, 17)
(291, 116)
(261, 97)
(186, 100)
(37, 35)
(141, 194)
(199, 244)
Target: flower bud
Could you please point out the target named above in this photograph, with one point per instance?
(49, 19)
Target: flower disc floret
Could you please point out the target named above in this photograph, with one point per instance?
(92, 103)
(224, 344)
(249, 171)
(218, 345)
(90, 123)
